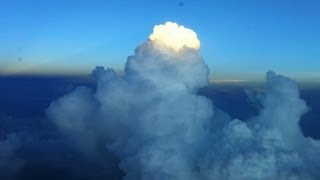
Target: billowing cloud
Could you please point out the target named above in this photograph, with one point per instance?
(154, 121)
(268, 146)
(172, 35)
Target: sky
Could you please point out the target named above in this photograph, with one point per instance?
(240, 40)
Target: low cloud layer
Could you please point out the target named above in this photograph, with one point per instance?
(10, 164)
(153, 120)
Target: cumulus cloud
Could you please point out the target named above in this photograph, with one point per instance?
(268, 146)
(10, 163)
(174, 36)
(31, 148)
(154, 121)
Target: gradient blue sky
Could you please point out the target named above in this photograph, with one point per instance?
(240, 39)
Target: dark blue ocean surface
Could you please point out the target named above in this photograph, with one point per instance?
(28, 96)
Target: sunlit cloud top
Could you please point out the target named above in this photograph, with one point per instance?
(174, 36)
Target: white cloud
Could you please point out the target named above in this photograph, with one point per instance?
(172, 35)
(159, 127)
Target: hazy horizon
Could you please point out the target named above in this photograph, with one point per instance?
(240, 40)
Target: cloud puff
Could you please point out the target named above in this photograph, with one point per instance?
(10, 163)
(172, 35)
(154, 121)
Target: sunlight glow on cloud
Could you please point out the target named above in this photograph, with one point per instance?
(174, 36)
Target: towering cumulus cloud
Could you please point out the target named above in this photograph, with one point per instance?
(157, 125)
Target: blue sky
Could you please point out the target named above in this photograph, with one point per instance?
(240, 39)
